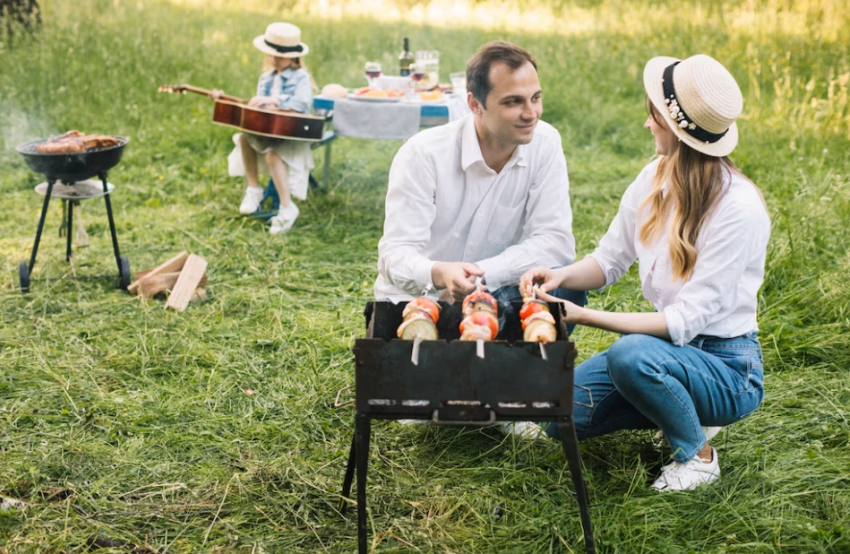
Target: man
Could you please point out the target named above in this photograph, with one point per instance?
(485, 196)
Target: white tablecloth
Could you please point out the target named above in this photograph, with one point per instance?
(388, 120)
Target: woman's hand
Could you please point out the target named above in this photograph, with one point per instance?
(216, 94)
(547, 279)
(574, 311)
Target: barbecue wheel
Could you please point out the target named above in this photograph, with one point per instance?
(24, 273)
(125, 272)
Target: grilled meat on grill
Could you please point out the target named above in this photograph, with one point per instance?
(75, 142)
(481, 321)
(420, 320)
(537, 323)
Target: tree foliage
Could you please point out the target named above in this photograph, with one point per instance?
(17, 16)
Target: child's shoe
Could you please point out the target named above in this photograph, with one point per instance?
(284, 219)
(251, 201)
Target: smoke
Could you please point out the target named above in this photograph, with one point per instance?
(15, 127)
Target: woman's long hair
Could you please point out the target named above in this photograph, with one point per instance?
(696, 182)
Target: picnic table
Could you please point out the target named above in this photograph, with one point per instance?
(396, 119)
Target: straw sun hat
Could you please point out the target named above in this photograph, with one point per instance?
(699, 99)
(282, 40)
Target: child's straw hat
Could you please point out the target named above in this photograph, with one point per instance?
(282, 40)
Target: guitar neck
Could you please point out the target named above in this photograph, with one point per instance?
(208, 93)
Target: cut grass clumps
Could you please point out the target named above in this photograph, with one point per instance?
(214, 430)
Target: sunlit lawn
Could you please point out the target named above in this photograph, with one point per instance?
(122, 420)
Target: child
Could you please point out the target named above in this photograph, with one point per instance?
(288, 86)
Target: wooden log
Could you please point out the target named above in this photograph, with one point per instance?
(200, 294)
(190, 277)
(174, 264)
(151, 285)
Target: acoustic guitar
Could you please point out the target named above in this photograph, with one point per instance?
(234, 112)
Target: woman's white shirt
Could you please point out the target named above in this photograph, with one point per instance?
(721, 297)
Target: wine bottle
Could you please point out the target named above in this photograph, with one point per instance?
(405, 59)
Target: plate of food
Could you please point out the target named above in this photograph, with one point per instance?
(367, 94)
(431, 96)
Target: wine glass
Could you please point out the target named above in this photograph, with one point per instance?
(373, 71)
(417, 73)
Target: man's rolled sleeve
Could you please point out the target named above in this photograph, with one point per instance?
(497, 273)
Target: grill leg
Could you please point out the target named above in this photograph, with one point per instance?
(349, 475)
(361, 441)
(112, 228)
(70, 221)
(41, 223)
(569, 440)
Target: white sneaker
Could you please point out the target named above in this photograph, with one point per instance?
(284, 219)
(251, 201)
(9, 505)
(522, 429)
(689, 475)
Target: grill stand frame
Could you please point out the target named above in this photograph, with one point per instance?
(463, 412)
(123, 263)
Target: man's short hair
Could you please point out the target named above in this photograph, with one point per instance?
(478, 68)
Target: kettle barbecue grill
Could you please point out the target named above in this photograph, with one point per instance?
(71, 169)
(451, 385)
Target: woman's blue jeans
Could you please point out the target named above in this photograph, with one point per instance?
(643, 382)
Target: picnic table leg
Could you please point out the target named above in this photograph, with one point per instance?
(349, 474)
(327, 168)
(361, 440)
(569, 440)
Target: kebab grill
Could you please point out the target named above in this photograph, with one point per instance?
(449, 382)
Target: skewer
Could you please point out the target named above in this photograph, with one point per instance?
(479, 348)
(414, 356)
(542, 347)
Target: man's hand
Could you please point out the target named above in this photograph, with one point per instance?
(458, 278)
(547, 279)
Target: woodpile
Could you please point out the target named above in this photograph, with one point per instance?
(181, 278)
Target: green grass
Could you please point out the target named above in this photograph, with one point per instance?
(121, 419)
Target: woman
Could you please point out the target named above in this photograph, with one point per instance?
(699, 231)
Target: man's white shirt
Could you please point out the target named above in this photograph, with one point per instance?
(721, 296)
(444, 204)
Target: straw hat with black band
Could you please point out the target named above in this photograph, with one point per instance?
(282, 40)
(699, 100)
